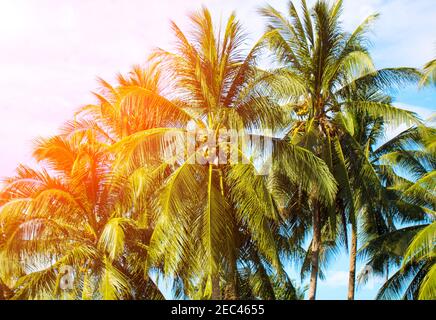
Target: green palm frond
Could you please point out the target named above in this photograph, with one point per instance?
(114, 284)
(427, 289)
(429, 76)
(422, 246)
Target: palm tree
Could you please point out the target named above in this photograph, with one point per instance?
(320, 67)
(382, 204)
(214, 216)
(411, 153)
(74, 215)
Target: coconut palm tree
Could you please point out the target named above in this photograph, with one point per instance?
(407, 164)
(212, 215)
(73, 216)
(320, 65)
(382, 206)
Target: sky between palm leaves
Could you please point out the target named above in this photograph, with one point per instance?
(52, 52)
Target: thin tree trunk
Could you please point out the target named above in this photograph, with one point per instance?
(231, 289)
(316, 244)
(352, 274)
(233, 285)
(216, 291)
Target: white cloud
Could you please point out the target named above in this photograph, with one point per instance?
(403, 35)
(336, 279)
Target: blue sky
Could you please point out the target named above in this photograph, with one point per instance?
(52, 52)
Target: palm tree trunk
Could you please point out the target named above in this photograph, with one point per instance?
(231, 290)
(233, 285)
(216, 291)
(5, 292)
(316, 244)
(352, 274)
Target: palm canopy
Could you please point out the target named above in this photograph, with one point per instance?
(321, 65)
(74, 214)
(114, 203)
